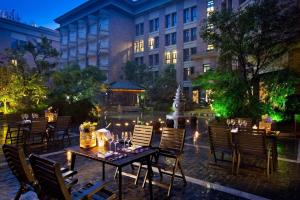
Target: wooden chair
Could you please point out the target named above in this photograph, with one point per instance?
(38, 128)
(220, 140)
(142, 136)
(252, 142)
(17, 163)
(171, 146)
(52, 184)
(62, 126)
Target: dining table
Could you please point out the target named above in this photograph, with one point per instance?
(119, 160)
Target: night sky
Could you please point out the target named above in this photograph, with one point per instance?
(40, 12)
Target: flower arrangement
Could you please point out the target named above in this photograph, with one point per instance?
(87, 135)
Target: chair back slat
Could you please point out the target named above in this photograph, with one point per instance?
(50, 179)
(63, 122)
(16, 161)
(173, 139)
(252, 141)
(142, 135)
(38, 126)
(220, 138)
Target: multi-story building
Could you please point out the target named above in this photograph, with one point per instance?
(153, 32)
(14, 33)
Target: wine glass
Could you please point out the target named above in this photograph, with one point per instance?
(228, 122)
(110, 140)
(26, 116)
(23, 117)
(129, 138)
(244, 123)
(126, 138)
(123, 138)
(232, 122)
(239, 122)
(116, 141)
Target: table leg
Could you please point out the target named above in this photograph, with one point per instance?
(275, 154)
(73, 158)
(150, 176)
(103, 171)
(120, 182)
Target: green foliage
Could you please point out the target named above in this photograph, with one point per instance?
(44, 55)
(21, 93)
(73, 84)
(251, 42)
(139, 74)
(163, 90)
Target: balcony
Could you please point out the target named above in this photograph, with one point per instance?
(204, 55)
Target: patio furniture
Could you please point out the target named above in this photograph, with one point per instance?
(118, 162)
(37, 128)
(15, 134)
(17, 163)
(52, 182)
(252, 142)
(220, 140)
(170, 147)
(61, 127)
(142, 136)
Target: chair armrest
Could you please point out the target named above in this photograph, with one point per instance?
(89, 190)
(68, 173)
(169, 153)
(70, 182)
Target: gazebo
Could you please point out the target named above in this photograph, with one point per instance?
(125, 94)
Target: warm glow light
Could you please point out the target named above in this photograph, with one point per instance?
(69, 155)
(126, 123)
(118, 124)
(160, 129)
(147, 124)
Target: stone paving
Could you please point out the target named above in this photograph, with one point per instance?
(204, 181)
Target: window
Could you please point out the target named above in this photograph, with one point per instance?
(206, 67)
(167, 40)
(168, 21)
(153, 25)
(186, 54)
(186, 35)
(139, 60)
(139, 29)
(151, 43)
(156, 42)
(174, 57)
(156, 59)
(138, 46)
(186, 15)
(168, 57)
(210, 7)
(193, 13)
(156, 24)
(18, 44)
(210, 47)
(174, 19)
(150, 60)
(173, 35)
(193, 50)
(193, 34)
(187, 72)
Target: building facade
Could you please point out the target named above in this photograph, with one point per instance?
(153, 32)
(14, 34)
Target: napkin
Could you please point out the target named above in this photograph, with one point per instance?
(234, 130)
(106, 155)
(134, 147)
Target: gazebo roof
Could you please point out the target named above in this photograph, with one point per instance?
(125, 86)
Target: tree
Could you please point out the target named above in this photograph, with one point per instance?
(163, 90)
(74, 84)
(44, 55)
(139, 74)
(251, 42)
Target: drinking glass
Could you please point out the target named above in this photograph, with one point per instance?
(228, 122)
(110, 140)
(129, 138)
(123, 138)
(126, 138)
(245, 123)
(232, 122)
(116, 141)
(26, 116)
(239, 122)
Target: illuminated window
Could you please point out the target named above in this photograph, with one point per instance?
(210, 47)
(171, 57)
(206, 67)
(138, 46)
(168, 57)
(210, 7)
(14, 62)
(196, 96)
(174, 57)
(151, 43)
